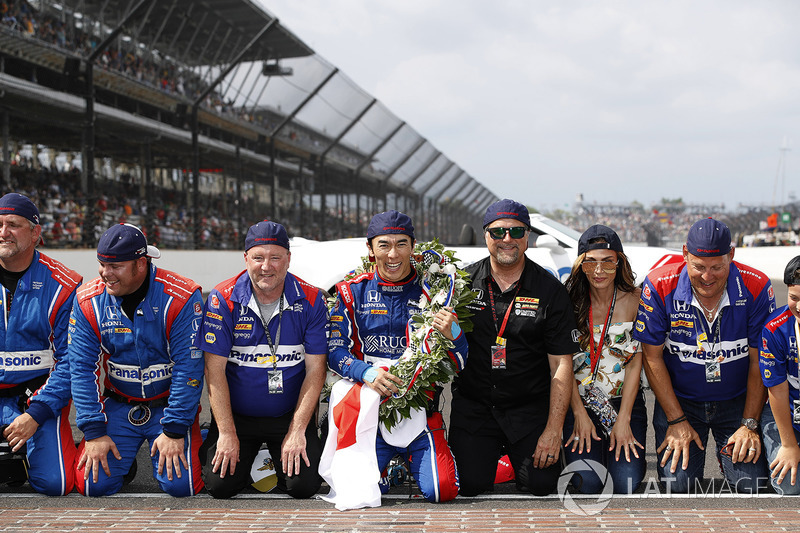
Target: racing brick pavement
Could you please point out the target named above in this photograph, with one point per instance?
(387, 520)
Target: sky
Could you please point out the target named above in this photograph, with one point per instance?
(619, 101)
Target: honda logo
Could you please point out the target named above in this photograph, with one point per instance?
(681, 307)
(373, 297)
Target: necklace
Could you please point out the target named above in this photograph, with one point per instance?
(708, 312)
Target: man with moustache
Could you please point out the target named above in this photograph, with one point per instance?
(36, 298)
(265, 344)
(138, 323)
(515, 389)
(700, 324)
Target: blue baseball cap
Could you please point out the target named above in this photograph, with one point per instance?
(599, 232)
(708, 238)
(265, 233)
(389, 223)
(506, 209)
(14, 203)
(124, 242)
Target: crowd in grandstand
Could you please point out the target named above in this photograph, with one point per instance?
(168, 217)
(150, 68)
(666, 223)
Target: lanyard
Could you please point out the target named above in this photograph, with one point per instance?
(595, 354)
(508, 311)
(273, 348)
(702, 320)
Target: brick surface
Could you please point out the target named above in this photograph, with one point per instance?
(383, 520)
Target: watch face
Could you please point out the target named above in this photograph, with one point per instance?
(750, 423)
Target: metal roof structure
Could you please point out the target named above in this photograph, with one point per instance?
(197, 32)
(265, 103)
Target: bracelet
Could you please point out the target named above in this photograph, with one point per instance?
(678, 420)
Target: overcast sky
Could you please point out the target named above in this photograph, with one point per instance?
(617, 100)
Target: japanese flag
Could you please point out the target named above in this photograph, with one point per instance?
(349, 464)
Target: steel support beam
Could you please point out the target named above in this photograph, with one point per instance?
(196, 127)
(435, 180)
(89, 131)
(378, 148)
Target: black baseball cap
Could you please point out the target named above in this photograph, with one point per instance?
(598, 231)
(791, 275)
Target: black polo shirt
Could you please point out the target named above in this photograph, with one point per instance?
(541, 322)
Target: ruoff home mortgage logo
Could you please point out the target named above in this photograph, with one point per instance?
(586, 506)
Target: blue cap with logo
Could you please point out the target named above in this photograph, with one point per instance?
(124, 242)
(265, 233)
(390, 223)
(14, 203)
(506, 209)
(708, 238)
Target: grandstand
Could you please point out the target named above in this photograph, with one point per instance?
(111, 108)
(666, 223)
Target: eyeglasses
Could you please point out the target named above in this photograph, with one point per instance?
(607, 265)
(517, 232)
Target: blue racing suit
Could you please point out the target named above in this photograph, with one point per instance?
(149, 361)
(368, 327)
(34, 361)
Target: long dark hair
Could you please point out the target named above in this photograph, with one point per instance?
(578, 288)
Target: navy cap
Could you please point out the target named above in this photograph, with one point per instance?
(791, 275)
(598, 231)
(506, 209)
(390, 223)
(265, 233)
(124, 242)
(14, 203)
(708, 238)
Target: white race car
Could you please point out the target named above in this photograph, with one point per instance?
(551, 245)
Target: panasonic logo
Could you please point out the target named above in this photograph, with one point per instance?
(140, 375)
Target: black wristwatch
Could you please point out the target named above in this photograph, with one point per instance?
(750, 423)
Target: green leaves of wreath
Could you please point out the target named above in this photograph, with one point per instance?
(436, 272)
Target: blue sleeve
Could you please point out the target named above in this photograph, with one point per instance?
(315, 339)
(772, 357)
(57, 391)
(85, 362)
(652, 320)
(340, 345)
(763, 305)
(216, 327)
(459, 353)
(187, 372)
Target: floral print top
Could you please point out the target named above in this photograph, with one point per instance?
(618, 349)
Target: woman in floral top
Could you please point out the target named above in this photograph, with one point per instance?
(608, 419)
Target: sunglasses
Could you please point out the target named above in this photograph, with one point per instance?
(608, 266)
(517, 232)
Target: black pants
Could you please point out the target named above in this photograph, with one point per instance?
(252, 433)
(477, 452)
